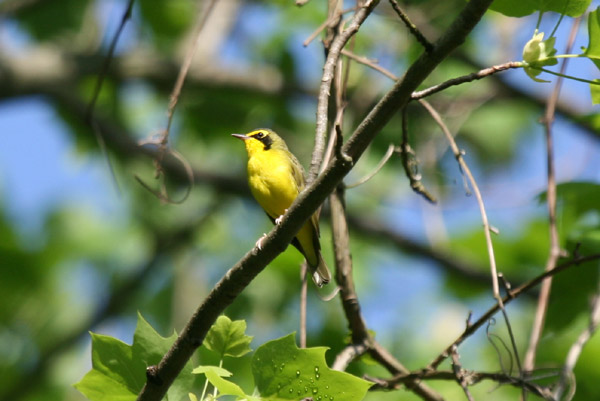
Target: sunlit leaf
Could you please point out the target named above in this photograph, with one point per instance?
(283, 370)
(595, 92)
(119, 370)
(593, 50)
(216, 369)
(228, 338)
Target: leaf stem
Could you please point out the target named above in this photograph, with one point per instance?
(558, 74)
(562, 56)
(215, 387)
(204, 389)
(560, 19)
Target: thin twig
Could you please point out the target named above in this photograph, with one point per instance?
(333, 20)
(303, 296)
(486, 226)
(472, 328)
(460, 374)
(89, 115)
(162, 193)
(382, 356)
(187, 62)
(470, 377)
(107, 60)
(491, 338)
(411, 164)
(388, 154)
(407, 154)
(347, 355)
(576, 349)
(412, 27)
(486, 72)
(340, 83)
(162, 140)
(555, 251)
(326, 81)
(458, 154)
(369, 63)
(334, 138)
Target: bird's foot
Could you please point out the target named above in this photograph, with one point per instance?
(259, 243)
(280, 218)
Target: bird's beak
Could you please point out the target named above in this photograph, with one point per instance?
(240, 136)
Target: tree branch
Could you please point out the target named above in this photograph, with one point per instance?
(411, 27)
(483, 73)
(470, 378)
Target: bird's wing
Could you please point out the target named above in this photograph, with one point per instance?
(297, 171)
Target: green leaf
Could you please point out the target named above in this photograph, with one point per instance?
(593, 50)
(215, 374)
(228, 338)
(115, 373)
(595, 92)
(98, 387)
(539, 53)
(521, 8)
(225, 387)
(119, 370)
(219, 371)
(282, 370)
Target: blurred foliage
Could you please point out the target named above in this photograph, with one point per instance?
(45, 21)
(90, 267)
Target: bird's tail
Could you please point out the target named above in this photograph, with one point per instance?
(320, 272)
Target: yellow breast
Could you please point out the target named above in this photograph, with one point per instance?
(272, 182)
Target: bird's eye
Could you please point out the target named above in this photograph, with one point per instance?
(259, 135)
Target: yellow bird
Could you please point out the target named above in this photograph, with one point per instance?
(276, 178)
